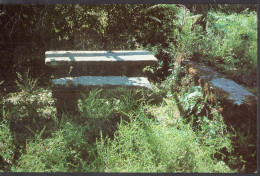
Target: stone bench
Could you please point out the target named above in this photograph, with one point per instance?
(99, 63)
(87, 70)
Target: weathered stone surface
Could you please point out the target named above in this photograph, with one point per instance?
(103, 81)
(236, 92)
(201, 71)
(227, 88)
(54, 58)
(70, 87)
(238, 106)
(101, 63)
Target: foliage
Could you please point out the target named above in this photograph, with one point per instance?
(144, 145)
(23, 114)
(111, 134)
(239, 39)
(231, 44)
(66, 151)
(6, 144)
(207, 123)
(118, 134)
(31, 103)
(98, 111)
(202, 110)
(189, 35)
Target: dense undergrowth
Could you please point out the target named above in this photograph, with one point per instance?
(115, 134)
(182, 130)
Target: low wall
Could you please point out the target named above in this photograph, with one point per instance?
(239, 106)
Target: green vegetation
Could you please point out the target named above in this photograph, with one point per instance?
(180, 130)
(115, 134)
(233, 39)
(119, 134)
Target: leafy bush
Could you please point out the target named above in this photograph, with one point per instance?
(25, 114)
(72, 146)
(232, 40)
(189, 35)
(66, 151)
(201, 110)
(6, 145)
(142, 145)
(128, 140)
(206, 122)
(32, 106)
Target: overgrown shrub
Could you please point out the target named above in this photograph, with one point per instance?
(25, 113)
(31, 108)
(200, 108)
(98, 112)
(71, 147)
(66, 151)
(142, 145)
(6, 146)
(118, 134)
(231, 42)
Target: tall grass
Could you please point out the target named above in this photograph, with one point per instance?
(144, 145)
(107, 134)
(238, 36)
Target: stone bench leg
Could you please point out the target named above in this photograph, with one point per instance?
(66, 105)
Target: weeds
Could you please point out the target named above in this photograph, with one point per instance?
(144, 145)
(6, 146)
(182, 132)
(25, 82)
(121, 133)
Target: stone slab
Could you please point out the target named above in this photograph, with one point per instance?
(238, 105)
(236, 92)
(70, 87)
(99, 63)
(227, 88)
(128, 58)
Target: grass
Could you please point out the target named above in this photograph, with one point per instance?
(146, 145)
(123, 133)
(181, 131)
